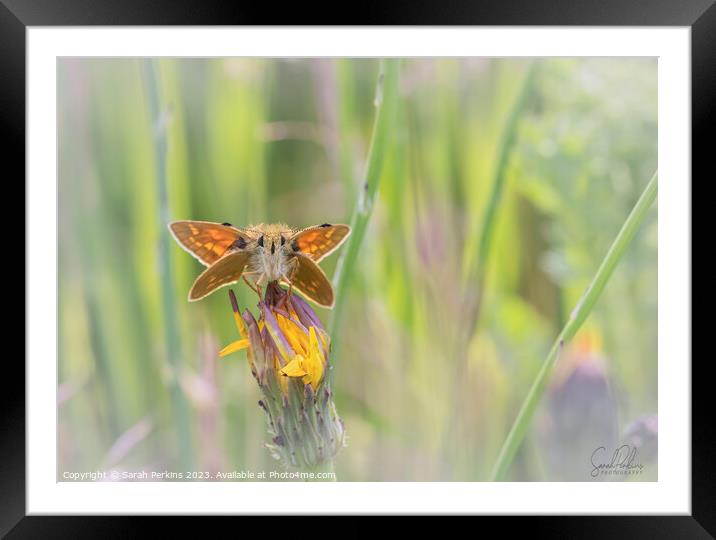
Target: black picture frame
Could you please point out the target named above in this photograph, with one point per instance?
(17, 15)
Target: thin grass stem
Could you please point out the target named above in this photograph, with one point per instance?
(386, 100)
(475, 275)
(171, 324)
(579, 314)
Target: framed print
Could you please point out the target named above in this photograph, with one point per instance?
(315, 270)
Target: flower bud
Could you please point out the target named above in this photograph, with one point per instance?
(287, 350)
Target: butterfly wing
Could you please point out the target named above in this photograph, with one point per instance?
(310, 280)
(207, 241)
(319, 241)
(225, 271)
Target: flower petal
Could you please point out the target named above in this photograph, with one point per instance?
(256, 354)
(294, 368)
(237, 315)
(277, 336)
(305, 314)
(297, 338)
(325, 342)
(235, 346)
(314, 361)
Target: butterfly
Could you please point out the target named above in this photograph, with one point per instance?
(270, 252)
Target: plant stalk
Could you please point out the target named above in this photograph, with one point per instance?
(475, 276)
(171, 325)
(579, 314)
(386, 100)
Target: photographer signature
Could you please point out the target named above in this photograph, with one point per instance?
(623, 461)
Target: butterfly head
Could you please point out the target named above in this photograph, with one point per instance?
(272, 250)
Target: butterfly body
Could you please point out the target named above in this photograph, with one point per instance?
(272, 257)
(264, 252)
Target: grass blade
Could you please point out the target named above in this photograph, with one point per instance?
(581, 311)
(386, 99)
(171, 325)
(475, 276)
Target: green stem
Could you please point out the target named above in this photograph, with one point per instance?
(171, 325)
(476, 272)
(386, 100)
(579, 314)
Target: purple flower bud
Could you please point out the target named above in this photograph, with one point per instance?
(580, 416)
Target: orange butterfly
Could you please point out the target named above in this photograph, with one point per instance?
(271, 252)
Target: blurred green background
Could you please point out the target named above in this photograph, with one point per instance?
(427, 387)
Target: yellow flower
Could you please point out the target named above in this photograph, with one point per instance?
(297, 346)
(308, 365)
(287, 349)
